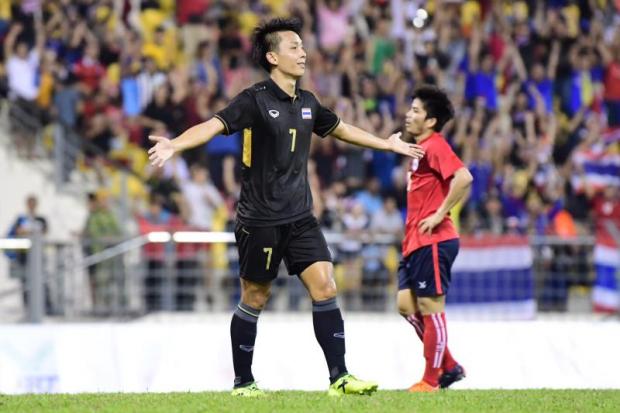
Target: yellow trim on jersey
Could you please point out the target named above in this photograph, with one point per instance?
(247, 147)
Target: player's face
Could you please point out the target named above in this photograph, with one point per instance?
(416, 122)
(290, 55)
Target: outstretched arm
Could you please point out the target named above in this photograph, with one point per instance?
(11, 37)
(202, 133)
(554, 59)
(459, 187)
(356, 136)
(39, 34)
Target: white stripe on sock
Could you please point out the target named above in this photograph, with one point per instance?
(440, 330)
(437, 334)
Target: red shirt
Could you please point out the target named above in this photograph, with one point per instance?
(90, 72)
(429, 183)
(612, 81)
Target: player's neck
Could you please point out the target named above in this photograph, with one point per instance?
(284, 82)
(423, 136)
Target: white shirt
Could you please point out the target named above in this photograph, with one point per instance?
(387, 223)
(203, 200)
(147, 84)
(22, 75)
(354, 223)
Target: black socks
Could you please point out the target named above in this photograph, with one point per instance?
(242, 337)
(329, 332)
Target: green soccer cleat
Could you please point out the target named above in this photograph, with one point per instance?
(349, 384)
(250, 390)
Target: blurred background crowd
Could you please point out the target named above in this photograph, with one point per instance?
(535, 84)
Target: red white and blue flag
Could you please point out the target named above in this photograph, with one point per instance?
(493, 277)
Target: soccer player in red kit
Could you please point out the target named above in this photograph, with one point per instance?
(436, 183)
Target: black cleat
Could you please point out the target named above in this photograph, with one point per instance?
(449, 377)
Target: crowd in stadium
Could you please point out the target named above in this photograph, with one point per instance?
(536, 86)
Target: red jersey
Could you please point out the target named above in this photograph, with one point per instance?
(428, 186)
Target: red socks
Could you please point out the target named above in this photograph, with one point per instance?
(431, 329)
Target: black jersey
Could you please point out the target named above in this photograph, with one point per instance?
(277, 129)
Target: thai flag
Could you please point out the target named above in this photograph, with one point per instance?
(611, 135)
(601, 167)
(306, 113)
(605, 294)
(492, 277)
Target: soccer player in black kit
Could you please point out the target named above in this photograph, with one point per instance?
(274, 214)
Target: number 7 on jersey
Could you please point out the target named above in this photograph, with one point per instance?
(293, 133)
(268, 251)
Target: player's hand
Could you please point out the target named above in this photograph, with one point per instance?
(404, 148)
(161, 151)
(427, 225)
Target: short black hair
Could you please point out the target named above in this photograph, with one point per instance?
(436, 104)
(265, 38)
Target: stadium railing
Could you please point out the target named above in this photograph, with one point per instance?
(506, 277)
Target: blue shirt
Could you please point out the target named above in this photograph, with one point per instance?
(485, 87)
(131, 96)
(382, 165)
(545, 88)
(482, 173)
(371, 203)
(222, 144)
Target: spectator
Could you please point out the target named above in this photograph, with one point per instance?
(22, 66)
(88, 69)
(156, 277)
(149, 80)
(388, 220)
(168, 191)
(203, 198)
(611, 63)
(370, 197)
(535, 79)
(101, 231)
(26, 225)
(355, 222)
(333, 16)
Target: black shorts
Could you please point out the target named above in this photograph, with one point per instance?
(261, 249)
(427, 271)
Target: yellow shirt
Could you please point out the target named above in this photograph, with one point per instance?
(157, 53)
(571, 13)
(278, 7)
(248, 21)
(5, 9)
(46, 87)
(470, 13)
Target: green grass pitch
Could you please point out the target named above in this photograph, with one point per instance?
(474, 401)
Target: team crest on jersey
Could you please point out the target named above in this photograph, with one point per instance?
(414, 164)
(274, 113)
(306, 113)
